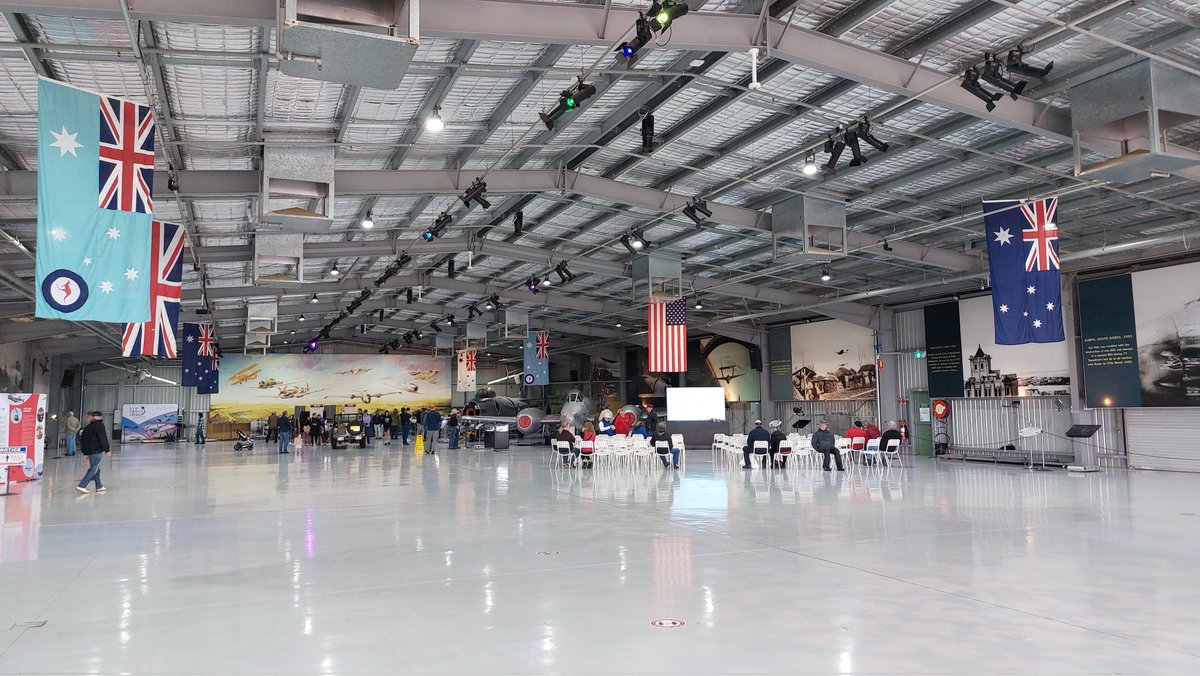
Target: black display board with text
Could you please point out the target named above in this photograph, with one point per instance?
(1108, 335)
(943, 351)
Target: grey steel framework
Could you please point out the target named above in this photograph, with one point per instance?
(489, 67)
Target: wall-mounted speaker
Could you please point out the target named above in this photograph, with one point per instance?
(756, 359)
(68, 379)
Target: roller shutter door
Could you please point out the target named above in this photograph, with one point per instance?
(1163, 438)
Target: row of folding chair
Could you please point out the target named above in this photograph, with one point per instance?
(631, 453)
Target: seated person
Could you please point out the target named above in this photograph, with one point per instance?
(777, 436)
(639, 430)
(756, 434)
(606, 423)
(890, 433)
(857, 433)
(589, 431)
(564, 434)
(872, 431)
(661, 435)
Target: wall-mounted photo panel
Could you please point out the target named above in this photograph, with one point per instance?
(723, 362)
(832, 360)
(991, 370)
(1108, 335)
(1166, 304)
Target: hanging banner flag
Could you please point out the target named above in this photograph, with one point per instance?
(668, 336)
(466, 370)
(156, 338)
(537, 359)
(201, 359)
(1022, 240)
(95, 176)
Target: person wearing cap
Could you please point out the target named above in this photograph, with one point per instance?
(756, 434)
(606, 423)
(777, 436)
(651, 416)
(93, 441)
(660, 435)
(823, 442)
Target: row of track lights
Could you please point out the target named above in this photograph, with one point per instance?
(1000, 75)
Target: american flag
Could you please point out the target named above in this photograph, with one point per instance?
(156, 337)
(201, 358)
(668, 336)
(126, 156)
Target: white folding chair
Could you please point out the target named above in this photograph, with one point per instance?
(762, 450)
(564, 452)
(677, 443)
(662, 451)
(785, 450)
(587, 452)
(893, 450)
(870, 451)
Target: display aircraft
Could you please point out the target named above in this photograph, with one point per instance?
(352, 372)
(293, 391)
(529, 420)
(269, 383)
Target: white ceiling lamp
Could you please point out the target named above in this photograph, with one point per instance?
(825, 276)
(335, 272)
(810, 164)
(434, 122)
(369, 221)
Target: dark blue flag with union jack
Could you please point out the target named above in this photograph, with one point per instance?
(1022, 240)
(201, 359)
(156, 337)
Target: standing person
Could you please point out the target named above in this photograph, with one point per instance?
(453, 425)
(432, 423)
(624, 423)
(777, 436)
(305, 423)
(824, 443)
(284, 433)
(94, 442)
(272, 427)
(756, 434)
(651, 416)
(318, 430)
(200, 439)
(366, 420)
(406, 424)
(72, 426)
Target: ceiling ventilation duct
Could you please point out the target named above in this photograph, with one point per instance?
(817, 225)
(330, 41)
(1133, 110)
(278, 258)
(297, 187)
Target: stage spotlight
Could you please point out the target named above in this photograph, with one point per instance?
(369, 221)
(564, 275)
(418, 334)
(518, 222)
(647, 132)
(312, 346)
(994, 74)
(314, 299)
(434, 121)
(434, 325)
(810, 164)
(450, 321)
(698, 211)
(172, 179)
(472, 313)
(477, 192)
(568, 100)
(864, 133)
(450, 271)
(408, 338)
(627, 51)
(834, 148)
(850, 138)
(664, 13)
(1016, 64)
(886, 246)
(628, 244)
(532, 285)
(971, 83)
(825, 276)
(434, 231)
(489, 304)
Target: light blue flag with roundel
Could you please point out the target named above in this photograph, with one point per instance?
(95, 180)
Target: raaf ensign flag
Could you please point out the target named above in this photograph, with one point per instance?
(668, 336)
(95, 170)
(1022, 240)
(537, 358)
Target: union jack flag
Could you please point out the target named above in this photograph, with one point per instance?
(543, 344)
(126, 156)
(156, 337)
(1042, 233)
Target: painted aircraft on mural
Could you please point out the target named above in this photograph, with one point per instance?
(246, 375)
(352, 372)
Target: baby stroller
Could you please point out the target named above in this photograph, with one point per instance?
(243, 443)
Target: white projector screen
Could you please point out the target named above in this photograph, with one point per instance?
(696, 404)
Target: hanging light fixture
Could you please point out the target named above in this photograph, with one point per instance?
(810, 164)
(369, 221)
(434, 122)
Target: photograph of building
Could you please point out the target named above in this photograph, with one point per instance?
(987, 382)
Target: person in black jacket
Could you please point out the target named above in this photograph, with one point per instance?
(756, 434)
(94, 444)
(673, 453)
(565, 434)
(777, 436)
(825, 443)
(651, 417)
(890, 433)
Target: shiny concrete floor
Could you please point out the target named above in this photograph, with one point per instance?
(383, 561)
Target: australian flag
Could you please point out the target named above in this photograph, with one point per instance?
(201, 359)
(1022, 240)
